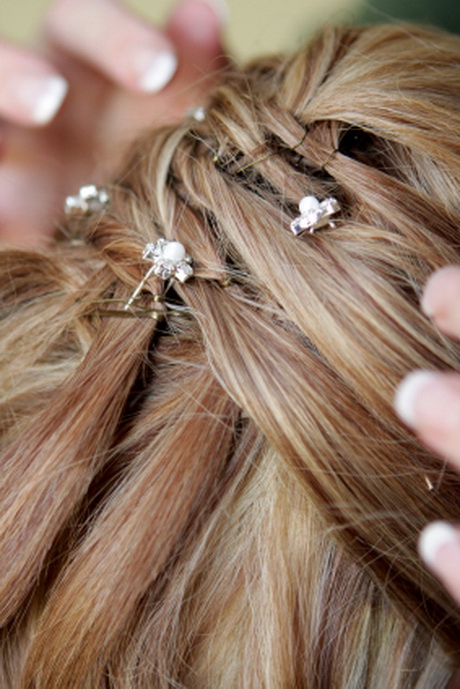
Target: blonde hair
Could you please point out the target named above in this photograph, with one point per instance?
(227, 499)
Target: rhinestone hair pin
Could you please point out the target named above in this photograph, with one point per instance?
(314, 214)
(198, 114)
(169, 258)
(169, 261)
(89, 199)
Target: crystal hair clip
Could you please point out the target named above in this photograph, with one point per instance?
(314, 214)
(198, 114)
(169, 261)
(88, 200)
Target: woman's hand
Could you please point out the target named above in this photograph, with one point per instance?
(100, 76)
(429, 402)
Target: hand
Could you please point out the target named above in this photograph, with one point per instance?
(429, 402)
(115, 75)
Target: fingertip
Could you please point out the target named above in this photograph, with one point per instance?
(158, 72)
(439, 548)
(50, 100)
(32, 91)
(440, 288)
(116, 42)
(199, 22)
(221, 10)
(434, 537)
(408, 392)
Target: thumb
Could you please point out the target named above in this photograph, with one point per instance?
(196, 27)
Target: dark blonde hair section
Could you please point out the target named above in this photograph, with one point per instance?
(226, 499)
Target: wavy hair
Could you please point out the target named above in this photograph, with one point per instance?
(226, 499)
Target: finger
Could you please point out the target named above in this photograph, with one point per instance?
(439, 547)
(117, 43)
(31, 91)
(196, 28)
(441, 299)
(429, 403)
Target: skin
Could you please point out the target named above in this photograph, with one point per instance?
(436, 407)
(105, 106)
(435, 417)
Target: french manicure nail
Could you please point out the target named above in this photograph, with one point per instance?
(432, 538)
(158, 72)
(41, 96)
(407, 393)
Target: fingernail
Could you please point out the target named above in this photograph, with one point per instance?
(41, 96)
(407, 393)
(158, 72)
(433, 538)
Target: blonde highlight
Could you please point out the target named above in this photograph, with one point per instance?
(227, 499)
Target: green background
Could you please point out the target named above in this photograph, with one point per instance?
(257, 26)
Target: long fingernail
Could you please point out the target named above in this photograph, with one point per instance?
(41, 96)
(157, 70)
(407, 393)
(433, 538)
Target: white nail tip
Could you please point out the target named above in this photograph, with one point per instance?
(432, 538)
(159, 73)
(50, 100)
(407, 393)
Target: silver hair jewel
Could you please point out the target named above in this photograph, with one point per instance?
(88, 200)
(169, 261)
(314, 214)
(198, 114)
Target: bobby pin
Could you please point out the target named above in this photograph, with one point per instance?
(157, 313)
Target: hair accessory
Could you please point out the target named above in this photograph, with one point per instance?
(158, 308)
(89, 199)
(314, 214)
(198, 114)
(169, 260)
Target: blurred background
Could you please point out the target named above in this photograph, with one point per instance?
(260, 26)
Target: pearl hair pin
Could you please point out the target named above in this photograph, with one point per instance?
(314, 214)
(198, 114)
(168, 258)
(89, 199)
(169, 261)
